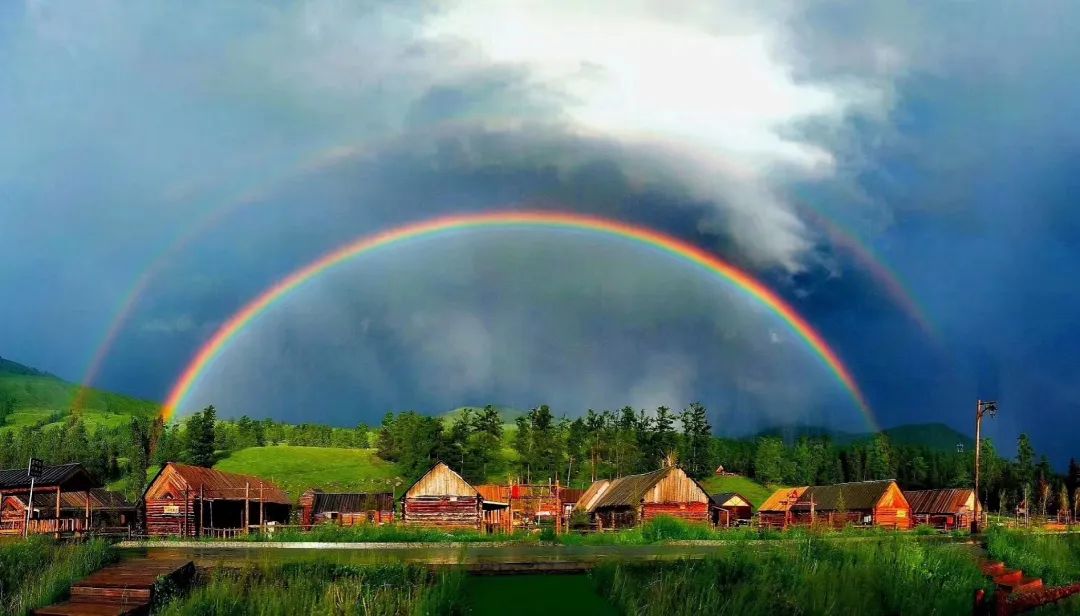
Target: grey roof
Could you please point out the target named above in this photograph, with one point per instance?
(68, 476)
(723, 497)
(352, 502)
(856, 495)
(628, 491)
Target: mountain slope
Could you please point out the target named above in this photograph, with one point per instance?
(29, 396)
(935, 436)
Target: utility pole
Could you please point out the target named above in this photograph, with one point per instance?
(983, 406)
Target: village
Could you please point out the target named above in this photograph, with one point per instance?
(189, 501)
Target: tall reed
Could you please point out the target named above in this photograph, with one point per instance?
(38, 571)
(897, 575)
(321, 588)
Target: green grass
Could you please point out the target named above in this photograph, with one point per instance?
(752, 490)
(39, 571)
(298, 468)
(1052, 557)
(320, 588)
(898, 575)
(534, 595)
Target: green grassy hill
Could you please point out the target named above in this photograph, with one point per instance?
(752, 490)
(298, 468)
(38, 396)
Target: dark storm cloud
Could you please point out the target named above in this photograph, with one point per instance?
(942, 135)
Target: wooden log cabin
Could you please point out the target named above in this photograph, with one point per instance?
(730, 509)
(442, 499)
(193, 501)
(345, 509)
(863, 503)
(944, 509)
(48, 514)
(109, 512)
(628, 501)
(516, 505)
(775, 512)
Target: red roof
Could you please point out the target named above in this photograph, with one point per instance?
(223, 485)
(938, 501)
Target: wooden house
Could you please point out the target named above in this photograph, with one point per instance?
(864, 503)
(345, 509)
(945, 509)
(729, 509)
(526, 505)
(108, 513)
(442, 499)
(775, 512)
(193, 501)
(628, 501)
(57, 485)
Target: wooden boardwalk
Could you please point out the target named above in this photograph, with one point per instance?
(123, 589)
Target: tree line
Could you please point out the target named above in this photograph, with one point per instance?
(539, 447)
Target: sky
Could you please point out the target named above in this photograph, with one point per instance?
(903, 174)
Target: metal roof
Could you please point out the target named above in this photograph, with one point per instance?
(939, 501)
(222, 485)
(856, 495)
(68, 476)
(341, 502)
(570, 495)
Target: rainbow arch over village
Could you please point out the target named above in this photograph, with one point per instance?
(657, 240)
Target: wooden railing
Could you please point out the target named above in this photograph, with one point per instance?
(222, 533)
(43, 527)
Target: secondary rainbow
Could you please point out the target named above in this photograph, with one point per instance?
(666, 243)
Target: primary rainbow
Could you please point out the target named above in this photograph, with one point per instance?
(678, 248)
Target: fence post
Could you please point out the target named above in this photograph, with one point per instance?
(247, 504)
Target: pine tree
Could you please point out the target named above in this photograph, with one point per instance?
(200, 435)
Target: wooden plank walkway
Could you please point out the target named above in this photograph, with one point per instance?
(123, 589)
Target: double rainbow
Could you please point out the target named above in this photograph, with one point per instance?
(541, 219)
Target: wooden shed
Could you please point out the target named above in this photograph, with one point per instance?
(48, 514)
(194, 501)
(628, 501)
(729, 509)
(106, 513)
(945, 509)
(864, 503)
(345, 508)
(441, 498)
(775, 512)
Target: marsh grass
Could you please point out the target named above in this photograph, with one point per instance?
(1053, 557)
(39, 571)
(897, 575)
(322, 588)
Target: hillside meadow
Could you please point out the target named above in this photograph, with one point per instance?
(332, 469)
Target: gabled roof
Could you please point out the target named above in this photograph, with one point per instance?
(719, 500)
(629, 490)
(592, 493)
(341, 502)
(440, 480)
(68, 476)
(856, 495)
(782, 499)
(570, 495)
(939, 501)
(221, 485)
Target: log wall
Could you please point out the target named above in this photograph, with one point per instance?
(162, 524)
(443, 512)
(691, 512)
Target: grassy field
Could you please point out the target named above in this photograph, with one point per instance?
(898, 575)
(318, 588)
(298, 468)
(749, 488)
(38, 572)
(533, 595)
(1054, 558)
